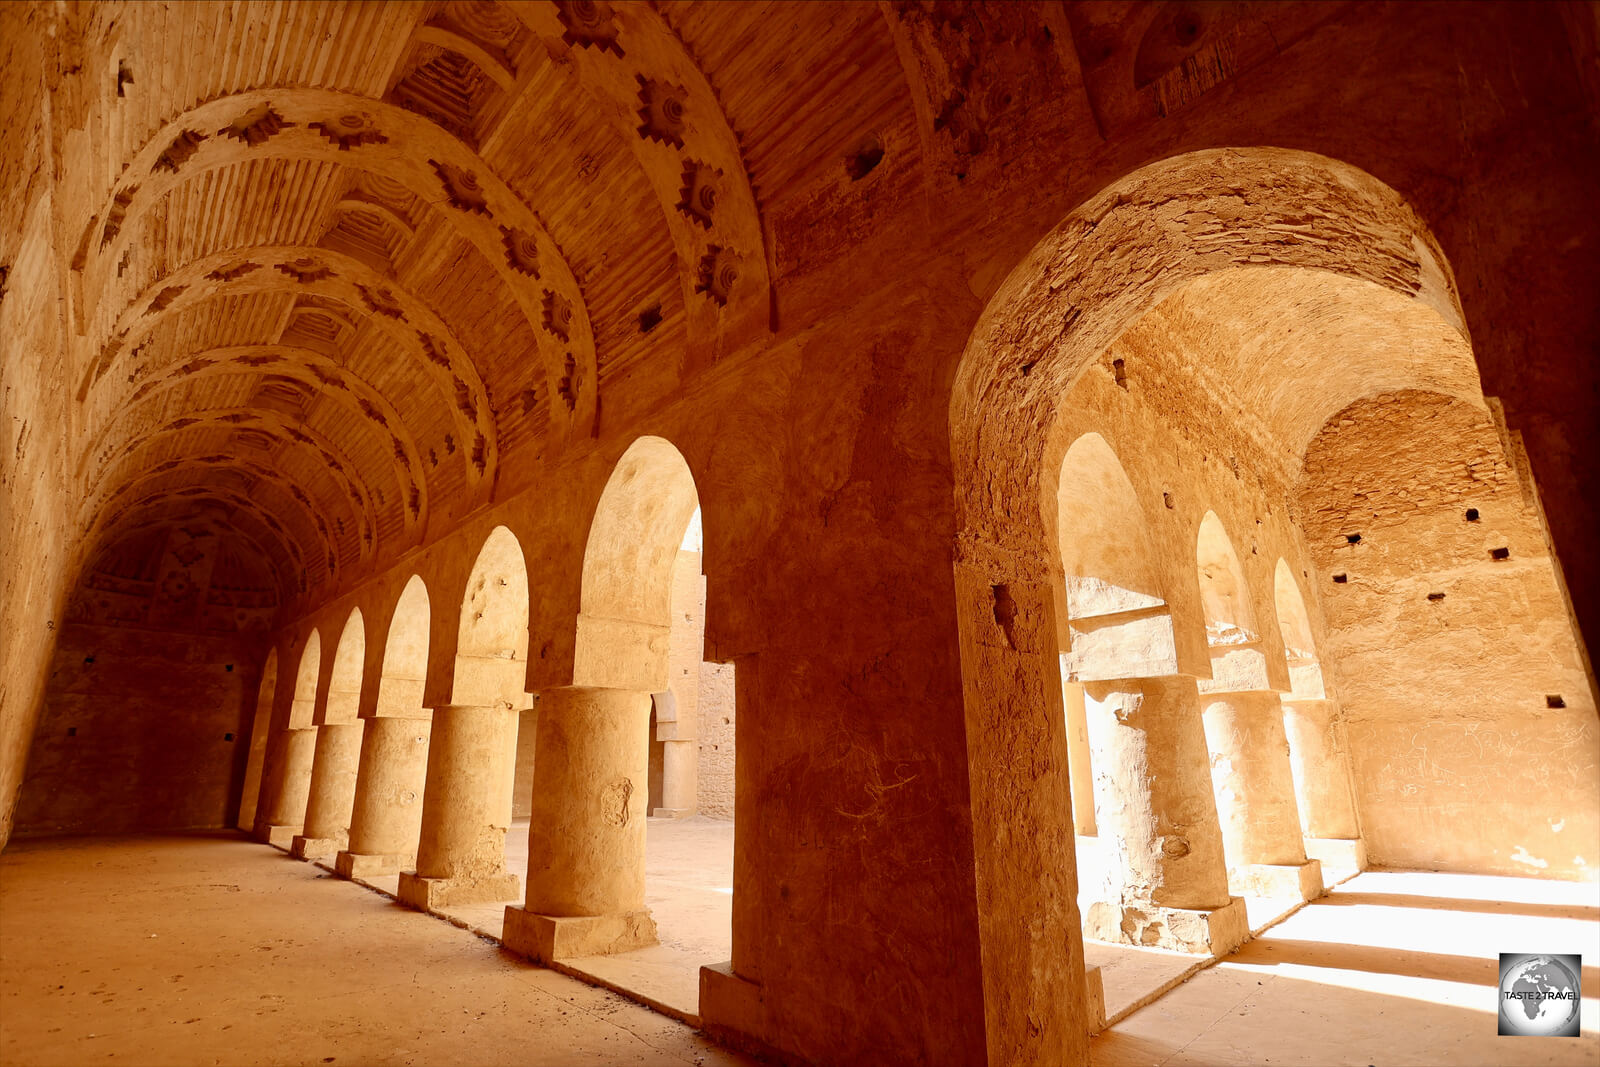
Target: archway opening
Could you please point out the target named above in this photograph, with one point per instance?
(641, 641)
(338, 749)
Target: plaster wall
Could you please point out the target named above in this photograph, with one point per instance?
(1445, 658)
(716, 740)
(141, 730)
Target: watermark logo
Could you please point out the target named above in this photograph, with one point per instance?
(1539, 995)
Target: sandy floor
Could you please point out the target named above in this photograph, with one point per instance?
(210, 949)
(1391, 968)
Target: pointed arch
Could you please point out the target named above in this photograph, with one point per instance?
(1299, 641)
(305, 683)
(1104, 537)
(260, 731)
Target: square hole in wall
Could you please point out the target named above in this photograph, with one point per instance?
(227, 737)
(72, 731)
(1472, 514)
(1354, 539)
(1499, 553)
(1554, 700)
(1341, 579)
(1436, 596)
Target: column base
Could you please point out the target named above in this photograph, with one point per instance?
(1341, 858)
(314, 848)
(1094, 994)
(1215, 931)
(671, 813)
(547, 938)
(431, 894)
(279, 836)
(361, 865)
(733, 1012)
(1301, 880)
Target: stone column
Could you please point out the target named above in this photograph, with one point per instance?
(1154, 800)
(386, 819)
(333, 790)
(586, 839)
(1321, 767)
(466, 809)
(1255, 796)
(288, 786)
(1080, 768)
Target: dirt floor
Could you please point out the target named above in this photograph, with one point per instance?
(211, 949)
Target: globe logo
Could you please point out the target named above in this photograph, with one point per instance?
(1539, 995)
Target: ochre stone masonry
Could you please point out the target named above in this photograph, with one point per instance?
(1049, 474)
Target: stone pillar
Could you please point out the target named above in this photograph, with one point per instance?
(1155, 803)
(1080, 768)
(333, 790)
(387, 817)
(1255, 796)
(288, 786)
(586, 839)
(466, 809)
(1321, 767)
(679, 783)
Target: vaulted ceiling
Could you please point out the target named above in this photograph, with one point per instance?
(338, 265)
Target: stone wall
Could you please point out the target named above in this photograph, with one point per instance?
(142, 730)
(716, 740)
(1470, 718)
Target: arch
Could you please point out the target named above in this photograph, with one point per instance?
(1113, 259)
(1299, 641)
(260, 732)
(344, 684)
(405, 652)
(1104, 538)
(305, 683)
(625, 602)
(1224, 594)
(492, 641)
(1178, 220)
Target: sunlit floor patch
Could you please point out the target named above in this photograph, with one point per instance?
(1391, 968)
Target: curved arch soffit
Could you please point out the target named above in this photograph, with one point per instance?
(494, 608)
(1106, 554)
(416, 330)
(303, 365)
(344, 683)
(1299, 642)
(1224, 593)
(1074, 294)
(431, 163)
(404, 672)
(305, 679)
(638, 526)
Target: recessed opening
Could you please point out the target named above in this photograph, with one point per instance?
(1119, 370)
(72, 731)
(1354, 539)
(1472, 514)
(650, 318)
(1340, 579)
(1435, 596)
(1553, 700)
(1499, 553)
(1166, 498)
(124, 77)
(864, 159)
(227, 737)
(228, 667)
(88, 659)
